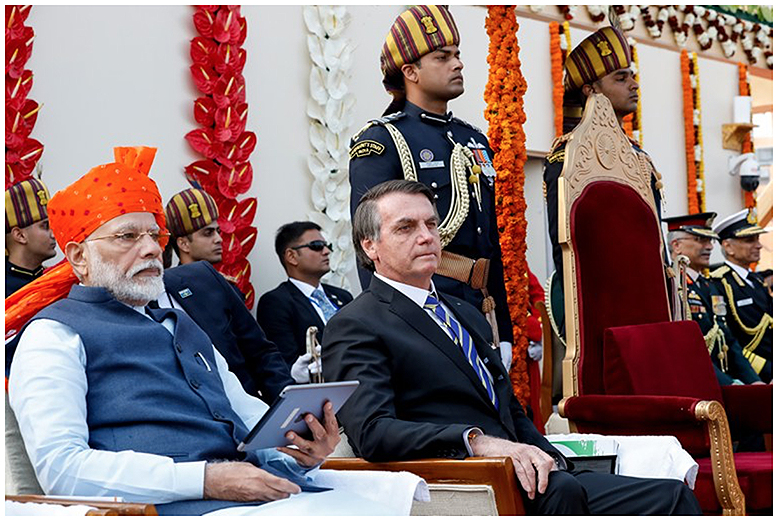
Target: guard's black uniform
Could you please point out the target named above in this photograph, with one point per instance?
(16, 276)
(746, 306)
(374, 159)
(707, 306)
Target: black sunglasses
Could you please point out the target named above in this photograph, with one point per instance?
(317, 246)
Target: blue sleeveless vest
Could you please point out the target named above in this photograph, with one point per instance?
(150, 391)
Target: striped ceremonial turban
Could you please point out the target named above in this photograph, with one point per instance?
(25, 204)
(603, 52)
(189, 211)
(416, 32)
(104, 193)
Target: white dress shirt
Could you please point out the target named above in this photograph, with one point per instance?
(47, 391)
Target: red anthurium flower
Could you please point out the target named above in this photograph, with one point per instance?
(204, 173)
(240, 91)
(225, 90)
(29, 154)
(13, 173)
(226, 26)
(205, 77)
(229, 119)
(29, 112)
(231, 249)
(239, 214)
(204, 22)
(226, 226)
(246, 143)
(242, 35)
(204, 142)
(201, 50)
(236, 180)
(17, 89)
(210, 8)
(16, 130)
(15, 15)
(247, 236)
(248, 292)
(204, 110)
(16, 55)
(226, 59)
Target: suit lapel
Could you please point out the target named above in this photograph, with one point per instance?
(310, 315)
(420, 321)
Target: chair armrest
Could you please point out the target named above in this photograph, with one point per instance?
(749, 408)
(101, 507)
(639, 415)
(498, 472)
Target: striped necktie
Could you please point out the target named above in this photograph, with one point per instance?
(460, 337)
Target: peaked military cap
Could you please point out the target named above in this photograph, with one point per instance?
(695, 224)
(25, 204)
(189, 211)
(741, 224)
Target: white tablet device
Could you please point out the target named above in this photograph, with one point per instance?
(289, 410)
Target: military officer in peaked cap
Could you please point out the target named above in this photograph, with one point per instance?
(601, 63)
(28, 240)
(693, 237)
(419, 139)
(750, 308)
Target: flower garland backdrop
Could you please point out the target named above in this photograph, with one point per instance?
(330, 110)
(226, 173)
(693, 133)
(21, 151)
(505, 115)
(747, 145)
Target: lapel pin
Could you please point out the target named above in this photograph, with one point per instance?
(185, 293)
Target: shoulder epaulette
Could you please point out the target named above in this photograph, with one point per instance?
(556, 157)
(720, 272)
(558, 142)
(466, 124)
(389, 118)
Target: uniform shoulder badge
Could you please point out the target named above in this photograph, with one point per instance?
(466, 124)
(720, 272)
(366, 148)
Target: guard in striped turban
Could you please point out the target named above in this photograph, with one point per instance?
(191, 216)
(28, 239)
(420, 139)
(105, 214)
(601, 64)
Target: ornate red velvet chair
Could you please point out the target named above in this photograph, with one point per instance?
(628, 369)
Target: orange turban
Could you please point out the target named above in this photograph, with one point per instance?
(105, 192)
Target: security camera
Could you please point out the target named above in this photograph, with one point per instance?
(746, 167)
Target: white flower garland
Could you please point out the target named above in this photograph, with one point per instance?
(330, 109)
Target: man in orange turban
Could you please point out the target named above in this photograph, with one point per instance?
(116, 398)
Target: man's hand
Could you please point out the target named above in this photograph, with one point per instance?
(326, 438)
(244, 482)
(531, 465)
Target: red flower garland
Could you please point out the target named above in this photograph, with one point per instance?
(747, 145)
(505, 114)
(217, 63)
(21, 152)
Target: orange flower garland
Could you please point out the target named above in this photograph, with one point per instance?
(505, 114)
(693, 200)
(747, 145)
(557, 76)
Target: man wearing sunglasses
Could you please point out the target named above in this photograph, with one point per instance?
(286, 312)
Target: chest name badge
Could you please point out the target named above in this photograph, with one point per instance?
(744, 302)
(428, 160)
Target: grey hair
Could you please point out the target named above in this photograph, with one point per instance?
(366, 223)
(673, 235)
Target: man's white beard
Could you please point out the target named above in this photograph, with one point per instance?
(122, 285)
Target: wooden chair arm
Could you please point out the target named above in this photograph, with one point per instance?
(101, 507)
(497, 472)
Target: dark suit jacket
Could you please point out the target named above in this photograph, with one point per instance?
(418, 394)
(285, 314)
(220, 312)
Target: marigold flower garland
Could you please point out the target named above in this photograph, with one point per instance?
(557, 76)
(505, 114)
(21, 152)
(632, 123)
(747, 146)
(226, 173)
(693, 133)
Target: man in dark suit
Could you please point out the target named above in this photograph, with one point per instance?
(207, 297)
(431, 385)
(286, 312)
